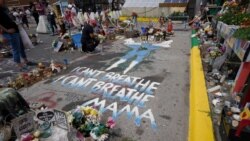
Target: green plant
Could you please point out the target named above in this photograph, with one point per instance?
(236, 19)
(242, 33)
(178, 13)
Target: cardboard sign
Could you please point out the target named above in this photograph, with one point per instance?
(45, 116)
(58, 46)
(61, 119)
(23, 124)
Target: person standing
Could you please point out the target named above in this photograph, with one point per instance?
(24, 19)
(34, 12)
(73, 16)
(67, 16)
(11, 32)
(52, 22)
(89, 41)
(27, 12)
(62, 26)
(134, 18)
(16, 16)
(41, 8)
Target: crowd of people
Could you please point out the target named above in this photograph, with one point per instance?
(89, 23)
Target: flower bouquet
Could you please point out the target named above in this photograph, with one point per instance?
(101, 38)
(33, 38)
(35, 75)
(66, 43)
(86, 120)
(158, 35)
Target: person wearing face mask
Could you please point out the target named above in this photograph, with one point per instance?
(52, 22)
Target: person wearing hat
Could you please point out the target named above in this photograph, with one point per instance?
(89, 41)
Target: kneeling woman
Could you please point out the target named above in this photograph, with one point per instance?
(89, 41)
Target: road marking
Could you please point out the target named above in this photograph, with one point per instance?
(200, 123)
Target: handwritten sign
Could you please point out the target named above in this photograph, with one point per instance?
(23, 124)
(45, 116)
(61, 119)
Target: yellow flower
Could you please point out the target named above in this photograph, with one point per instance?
(86, 110)
(69, 117)
(94, 112)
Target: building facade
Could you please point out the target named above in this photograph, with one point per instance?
(94, 5)
(17, 3)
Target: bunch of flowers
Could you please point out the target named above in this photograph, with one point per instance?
(215, 52)
(33, 38)
(158, 35)
(68, 43)
(101, 38)
(87, 121)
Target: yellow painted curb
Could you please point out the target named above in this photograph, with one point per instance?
(140, 19)
(200, 124)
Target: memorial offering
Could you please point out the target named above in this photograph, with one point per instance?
(87, 121)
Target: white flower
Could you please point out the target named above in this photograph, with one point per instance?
(70, 117)
(103, 137)
(93, 135)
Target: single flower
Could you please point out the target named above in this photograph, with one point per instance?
(110, 123)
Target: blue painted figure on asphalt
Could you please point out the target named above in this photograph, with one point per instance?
(139, 51)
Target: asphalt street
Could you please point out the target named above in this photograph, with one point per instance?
(156, 111)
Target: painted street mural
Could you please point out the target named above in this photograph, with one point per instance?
(143, 86)
(134, 91)
(110, 92)
(139, 51)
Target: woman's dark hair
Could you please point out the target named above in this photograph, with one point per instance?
(161, 17)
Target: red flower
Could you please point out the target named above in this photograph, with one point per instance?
(110, 123)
